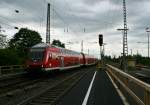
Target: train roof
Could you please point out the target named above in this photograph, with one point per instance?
(45, 45)
(41, 45)
(62, 50)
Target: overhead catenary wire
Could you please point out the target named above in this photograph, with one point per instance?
(41, 19)
(7, 21)
(69, 8)
(68, 15)
(6, 24)
(64, 21)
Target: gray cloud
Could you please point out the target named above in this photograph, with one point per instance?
(96, 16)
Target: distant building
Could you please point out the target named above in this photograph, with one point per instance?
(3, 41)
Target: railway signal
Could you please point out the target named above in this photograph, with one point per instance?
(101, 44)
(100, 39)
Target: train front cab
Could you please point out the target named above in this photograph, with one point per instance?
(50, 60)
(36, 58)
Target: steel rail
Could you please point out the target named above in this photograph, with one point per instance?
(53, 93)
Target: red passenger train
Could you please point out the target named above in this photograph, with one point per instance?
(45, 57)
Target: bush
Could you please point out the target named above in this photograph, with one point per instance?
(10, 57)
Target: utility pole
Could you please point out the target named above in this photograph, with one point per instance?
(48, 25)
(131, 51)
(84, 30)
(82, 46)
(2, 39)
(104, 48)
(125, 41)
(125, 50)
(103, 54)
(0, 29)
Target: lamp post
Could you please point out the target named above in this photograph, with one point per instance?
(147, 30)
(141, 43)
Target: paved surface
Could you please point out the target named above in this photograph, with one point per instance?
(102, 91)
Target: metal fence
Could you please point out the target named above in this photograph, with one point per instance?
(11, 69)
(136, 91)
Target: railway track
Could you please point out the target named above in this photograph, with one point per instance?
(52, 94)
(11, 88)
(12, 76)
(142, 74)
(6, 81)
(19, 91)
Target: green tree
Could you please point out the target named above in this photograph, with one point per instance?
(58, 43)
(23, 40)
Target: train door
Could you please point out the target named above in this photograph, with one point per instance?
(50, 59)
(61, 61)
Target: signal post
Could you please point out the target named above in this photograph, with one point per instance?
(100, 64)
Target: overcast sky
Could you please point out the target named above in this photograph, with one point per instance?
(93, 16)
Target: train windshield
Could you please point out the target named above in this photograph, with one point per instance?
(36, 54)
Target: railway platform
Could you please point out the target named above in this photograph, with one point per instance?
(95, 88)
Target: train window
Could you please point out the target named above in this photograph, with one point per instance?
(36, 55)
(63, 51)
